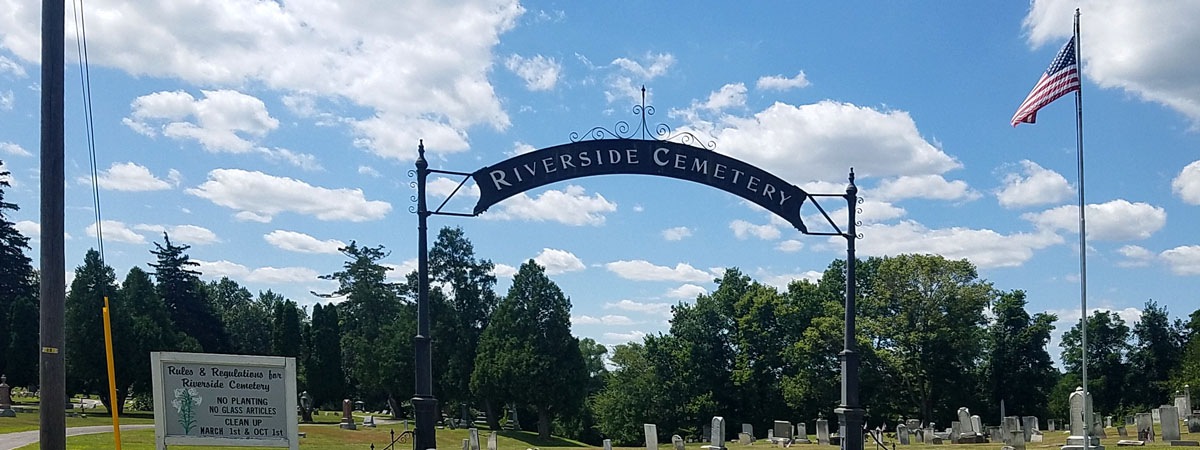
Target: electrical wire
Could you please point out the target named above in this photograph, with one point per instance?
(85, 80)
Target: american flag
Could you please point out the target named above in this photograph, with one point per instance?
(1061, 78)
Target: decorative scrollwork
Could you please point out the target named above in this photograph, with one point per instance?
(412, 185)
(861, 200)
(412, 209)
(858, 223)
(661, 132)
(412, 173)
(858, 236)
(858, 210)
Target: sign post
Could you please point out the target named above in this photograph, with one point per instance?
(224, 400)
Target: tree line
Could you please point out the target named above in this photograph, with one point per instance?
(932, 336)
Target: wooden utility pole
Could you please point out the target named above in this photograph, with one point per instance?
(52, 379)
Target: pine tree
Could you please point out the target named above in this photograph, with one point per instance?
(85, 359)
(17, 279)
(181, 289)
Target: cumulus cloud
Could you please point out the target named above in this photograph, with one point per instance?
(659, 309)
(609, 319)
(1132, 46)
(1135, 256)
(557, 261)
(222, 121)
(1183, 260)
(790, 246)
(127, 177)
(1117, 220)
(621, 85)
(744, 230)
(29, 229)
(503, 270)
(115, 231)
(215, 270)
(294, 241)
(187, 234)
(342, 52)
(676, 233)
(641, 270)
(571, 206)
(930, 186)
(14, 149)
(687, 291)
(1187, 184)
(782, 83)
(985, 248)
(259, 197)
(1033, 186)
(821, 141)
(539, 72)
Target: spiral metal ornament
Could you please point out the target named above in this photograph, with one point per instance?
(412, 209)
(412, 173)
(660, 132)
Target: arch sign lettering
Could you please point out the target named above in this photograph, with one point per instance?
(605, 152)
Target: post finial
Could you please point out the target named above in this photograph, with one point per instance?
(421, 163)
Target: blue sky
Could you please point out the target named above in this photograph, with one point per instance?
(266, 134)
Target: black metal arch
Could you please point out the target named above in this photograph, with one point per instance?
(609, 152)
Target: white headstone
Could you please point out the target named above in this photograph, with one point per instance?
(1170, 422)
(651, 436)
(822, 431)
(473, 437)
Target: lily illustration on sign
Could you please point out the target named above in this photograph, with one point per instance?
(185, 403)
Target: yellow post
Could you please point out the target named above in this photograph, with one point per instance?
(112, 378)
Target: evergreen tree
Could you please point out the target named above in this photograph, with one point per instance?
(22, 351)
(1157, 350)
(1016, 356)
(527, 352)
(327, 380)
(180, 288)
(1108, 344)
(17, 279)
(86, 361)
(1187, 372)
(466, 284)
(150, 328)
(285, 329)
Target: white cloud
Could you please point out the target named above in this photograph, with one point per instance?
(435, 67)
(930, 186)
(558, 261)
(782, 83)
(10, 66)
(399, 272)
(571, 206)
(261, 196)
(660, 309)
(539, 72)
(621, 85)
(730, 96)
(1134, 46)
(115, 231)
(790, 246)
(368, 171)
(503, 271)
(7, 99)
(781, 280)
(822, 141)
(29, 229)
(127, 177)
(985, 248)
(744, 230)
(222, 121)
(676, 233)
(187, 234)
(442, 187)
(610, 319)
(1183, 260)
(1117, 220)
(304, 161)
(214, 270)
(1033, 186)
(640, 270)
(293, 241)
(624, 338)
(14, 149)
(520, 148)
(687, 291)
(1187, 184)
(1135, 256)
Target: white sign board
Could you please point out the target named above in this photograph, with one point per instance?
(224, 400)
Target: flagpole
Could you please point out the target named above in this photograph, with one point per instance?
(1087, 408)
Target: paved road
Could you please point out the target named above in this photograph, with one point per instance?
(13, 440)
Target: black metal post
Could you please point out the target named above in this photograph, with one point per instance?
(424, 404)
(850, 412)
(51, 324)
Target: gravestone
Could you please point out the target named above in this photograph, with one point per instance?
(6, 398)
(1182, 404)
(745, 438)
(1154, 415)
(782, 431)
(1122, 432)
(1079, 430)
(1193, 424)
(1029, 425)
(347, 418)
(305, 407)
(492, 441)
(677, 442)
(466, 444)
(977, 425)
(902, 434)
(369, 422)
(1051, 425)
(1170, 422)
(705, 433)
(608, 444)
(1013, 437)
(822, 432)
(717, 438)
(473, 437)
(1145, 426)
(748, 429)
(801, 435)
(1108, 421)
(955, 431)
(651, 436)
(771, 435)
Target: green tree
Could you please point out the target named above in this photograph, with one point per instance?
(247, 322)
(327, 380)
(527, 351)
(1108, 344)
(923, 305)
(23, 347)
(1187, 372)
(180, 288)
(1016, 356)
(369, 320)
(150, 328)
(86, 361)
(627, 399)
(700, 378)
(1158, 349)
(766, 324)
(285, 329)
(466, 283)
(17, 279)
